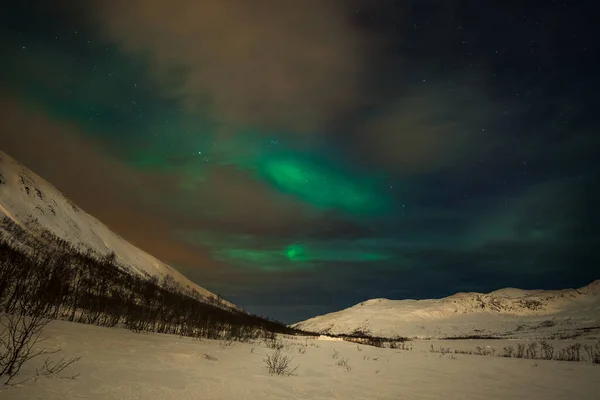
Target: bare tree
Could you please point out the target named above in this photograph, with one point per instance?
(18, 340)
(547, 350)
(508, 351)
(593, 352)
(532, 349)
(520, 350)
(19, 343)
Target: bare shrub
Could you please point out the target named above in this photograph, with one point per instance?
(374, 341)
(570, 353)
(405, 346)
(278, 364)
(303, 347)
(209, 357)
(520, 351)
(576, 350)
(547, 350)
(442, 350)
(343, 362)
(56, 367)
(508, 351)
(19, 341)
(484, 351)
(335, 355)
(223, 344)
(532, 350)
(593, 352)
(272, 342)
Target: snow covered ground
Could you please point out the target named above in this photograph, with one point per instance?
(119, 364)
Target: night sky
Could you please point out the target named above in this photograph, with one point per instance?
(298, 157)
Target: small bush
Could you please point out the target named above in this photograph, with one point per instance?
(405, 346)
(464, 352)
(484, 351)
(375, 342)
(56, 367)
(508, 351)
(303, 346)
(223, 344)
(520, 350)
(272, 342)
(278, 364)
(532, 350)
(343, 362)
(335, 355)
(593, 352)
(570, 353)
(547, 350)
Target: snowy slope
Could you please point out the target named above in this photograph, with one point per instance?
(25, 196)
(506, 312)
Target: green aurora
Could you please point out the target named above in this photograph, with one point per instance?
(321, 187)
(410, 174)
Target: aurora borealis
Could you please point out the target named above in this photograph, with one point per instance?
(301, 157)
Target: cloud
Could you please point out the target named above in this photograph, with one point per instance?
(149, 207)
(431, 126)
(277, 63)
(550, 213)
(108, 189)
(231, 200)
(303, 67)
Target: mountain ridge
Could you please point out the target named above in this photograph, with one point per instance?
(503, 312)
(34, 204)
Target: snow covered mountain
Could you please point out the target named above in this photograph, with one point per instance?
(507, 312)
(25, 197)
